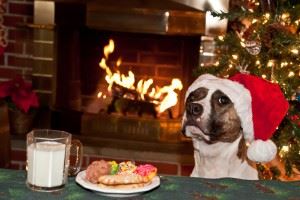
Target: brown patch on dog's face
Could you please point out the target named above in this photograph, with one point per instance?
(224, 124)
(211, 117)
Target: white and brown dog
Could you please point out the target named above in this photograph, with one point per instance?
(213, 119)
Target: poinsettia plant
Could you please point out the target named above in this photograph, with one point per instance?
(19, 94)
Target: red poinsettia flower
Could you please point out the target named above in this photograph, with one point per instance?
(19, 93)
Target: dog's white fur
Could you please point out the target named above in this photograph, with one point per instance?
(220, 159)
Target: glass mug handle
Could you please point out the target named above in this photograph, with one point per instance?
(75, 159)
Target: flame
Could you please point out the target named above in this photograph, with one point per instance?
(164, 97)
(171, 96)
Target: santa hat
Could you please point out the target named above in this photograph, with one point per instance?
(260, 105)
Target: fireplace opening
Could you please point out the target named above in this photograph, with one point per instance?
(162, 59)
(81, 102)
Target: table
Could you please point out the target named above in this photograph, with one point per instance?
(12, 186)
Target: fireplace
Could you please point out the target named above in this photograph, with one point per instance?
(160, 41)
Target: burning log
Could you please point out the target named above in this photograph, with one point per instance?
(120, 91)
(127, 100)
(124, 106)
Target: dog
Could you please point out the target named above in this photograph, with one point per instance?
(212, 122)
(231, 122)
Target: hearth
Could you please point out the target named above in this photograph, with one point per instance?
(164, 48)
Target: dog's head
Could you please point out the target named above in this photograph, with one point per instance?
(210, 113)
(220, 110)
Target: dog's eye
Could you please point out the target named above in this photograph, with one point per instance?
(223, 100)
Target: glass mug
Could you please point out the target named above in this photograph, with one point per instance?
(52, 155)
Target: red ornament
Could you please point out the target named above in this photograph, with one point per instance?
(294, 117)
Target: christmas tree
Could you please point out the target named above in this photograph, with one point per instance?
(263, 39)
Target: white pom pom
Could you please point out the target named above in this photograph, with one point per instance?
(262, 151)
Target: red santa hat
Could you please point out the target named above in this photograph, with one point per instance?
(260, 105)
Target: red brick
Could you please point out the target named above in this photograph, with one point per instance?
(148, 59)
(18, 34)
(14, 47)
(170, 59)
(21, 9)
(18, 155)
(29, 49)
(19, 61)
(95, 158)
(14, 166)
(151, 58)
(126, 56)
(27, 75)
(13, 20)
(29, 19)
(171, 45)
(134, 43)
(186, 170)
(143, 71)
(9, 73)
(169, 72)
(2, 59)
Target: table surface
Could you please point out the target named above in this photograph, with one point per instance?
(12, 186)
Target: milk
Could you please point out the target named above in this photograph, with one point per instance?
(46, 163)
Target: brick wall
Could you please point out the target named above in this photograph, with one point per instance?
(17, 58)
(30, 50)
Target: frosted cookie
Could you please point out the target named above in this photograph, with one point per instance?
(146, 170)
(126, 167)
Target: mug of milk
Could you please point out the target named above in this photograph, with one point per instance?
(48, 159)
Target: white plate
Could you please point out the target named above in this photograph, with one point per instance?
(80, 179)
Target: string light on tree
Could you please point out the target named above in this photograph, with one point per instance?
(295, 51)
(284, 150)
(291, 74)
(266, 18)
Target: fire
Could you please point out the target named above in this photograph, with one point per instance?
(163, 98)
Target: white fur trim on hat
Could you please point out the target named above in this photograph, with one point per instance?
(262, 151)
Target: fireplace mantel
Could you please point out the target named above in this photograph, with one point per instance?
(155, 16)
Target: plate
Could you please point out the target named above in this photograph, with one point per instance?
(80, 179)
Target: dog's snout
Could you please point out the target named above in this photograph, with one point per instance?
(194, 109)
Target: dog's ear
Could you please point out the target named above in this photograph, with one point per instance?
(242, 151)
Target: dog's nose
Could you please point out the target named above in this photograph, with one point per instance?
(194, 109)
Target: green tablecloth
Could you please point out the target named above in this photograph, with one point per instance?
(12, 186)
